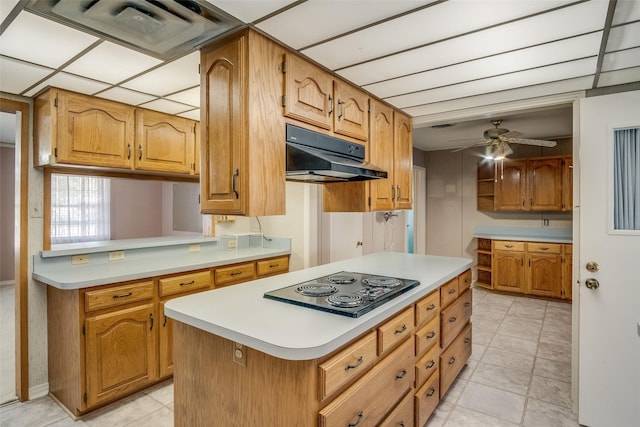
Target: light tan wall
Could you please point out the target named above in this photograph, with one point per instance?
(136, 208)
(452, 216)
(7, 212)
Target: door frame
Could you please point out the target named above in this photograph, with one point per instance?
(21, 269)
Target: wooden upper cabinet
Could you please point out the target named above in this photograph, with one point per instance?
(308, 92)
(164, 143)
(76, 129)
(313, 96)
(403, 161)
(242, 144)
(381, 154)
(511, 182)
(544, 178)
(567, 184)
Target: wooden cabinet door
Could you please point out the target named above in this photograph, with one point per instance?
(93, 131)
(351, 116)
(164, 143)
(567, 272)
(308, 92)
(381, 155)
(403, 161)
(511, 185)
(165, 342)
(508, 274)
(567, 184)
(224, 87)
(120, 352)
(544, 274)
(544, 179)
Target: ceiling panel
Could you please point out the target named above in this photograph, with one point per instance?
(18, 76)
(624, 37)
(377, 41)
(111, 63)
(192, 115)
(330, 19)
(529, 32)
(6, 6)
(628, 75)
(189, 96)
(41, 41)
(545, 54)
(69, 82)
(173, 77)
(250, 10)
(622, 59)
(166, 106)
(626, 11)
(126, 96)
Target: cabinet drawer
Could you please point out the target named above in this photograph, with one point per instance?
(426, 399)
(545, 248)
(427, 308)
(464, 281)
(348, 364)
(452, 360)
(427, 336)
(427, 365)
(402, 415)
(185, 283)
(448, 292)
(272, 266)
(373, 395)
(454, 318)
(234, 273)
(395, 330)
(117, 295)
(568, 249)
(507, 245)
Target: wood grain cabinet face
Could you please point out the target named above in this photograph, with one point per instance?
(272, 266)
(231, 275)
(428, 308)
(512, 185)
(395, 330)
(567, 271)
(544, 264)
(351, 117)
(403, 161)
(452, 359)
(427, 398)
(381, 154)
(402, 415)
(508, 273)
(544, 178)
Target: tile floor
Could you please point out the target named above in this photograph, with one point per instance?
(518, 375)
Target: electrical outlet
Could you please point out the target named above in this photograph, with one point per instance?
(545, 222)
(79, 259)
(194, 248)
(231, 244)
(116, 255)
(240, 354)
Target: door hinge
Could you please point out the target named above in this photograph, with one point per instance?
(85, 398)
(55, 102)
(284, 67)
(284, 100)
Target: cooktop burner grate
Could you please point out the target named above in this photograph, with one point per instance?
(341, 279)
(384, 282)
(316, 289)
(345, 300)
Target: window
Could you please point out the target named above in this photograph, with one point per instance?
(80, 209)
(626, 180)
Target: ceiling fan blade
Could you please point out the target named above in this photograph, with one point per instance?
(538, 142)
(511, 134)
(480, 143)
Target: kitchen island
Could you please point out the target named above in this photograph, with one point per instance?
(241, 359)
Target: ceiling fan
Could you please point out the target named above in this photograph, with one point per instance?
(497, 141)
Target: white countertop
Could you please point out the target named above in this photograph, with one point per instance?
(241, 314)
(528, 234)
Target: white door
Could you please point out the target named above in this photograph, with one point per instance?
(609, 356)
(342, 236)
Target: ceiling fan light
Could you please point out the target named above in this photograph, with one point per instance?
(498, 150)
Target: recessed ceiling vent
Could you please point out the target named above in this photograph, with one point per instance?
(161, 28)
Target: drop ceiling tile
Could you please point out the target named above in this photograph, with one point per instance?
(622, 59)
(612, 78)
(562, 23)
(41, 41)
(626, 11)
(70, 82)
(166, 106)
(426, 26)
(537, 56)
(173, 77)
(193, 114)
(112, 63)
(126, 96)
(189, 96)
(6, 6)
(624, 37)
(314, 21)
(536, 76)
(18, 76)
(250, 10)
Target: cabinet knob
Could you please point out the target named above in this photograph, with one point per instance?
(401, 330)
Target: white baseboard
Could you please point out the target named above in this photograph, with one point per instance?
(7, 282)
(38, 391)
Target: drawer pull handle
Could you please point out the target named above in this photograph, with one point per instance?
(467, 304)
(235, 273)
(431, 364)
(452, 361)
(453, 319)
(164, 324)
(432, 390)
(401, 330)
(128, 294)
(358, 363)
(360, 417)
(467, 340)
(544, 249)
(187, 283)
(431, 307)
(402, 374)
(452, 291)
(151, 321)
(508, 246)
(274, 265)
(467, 281)
(431, 335)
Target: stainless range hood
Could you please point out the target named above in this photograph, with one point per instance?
(164, 29)
(320, 158)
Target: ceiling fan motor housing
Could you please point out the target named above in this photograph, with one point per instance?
(494, 133)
